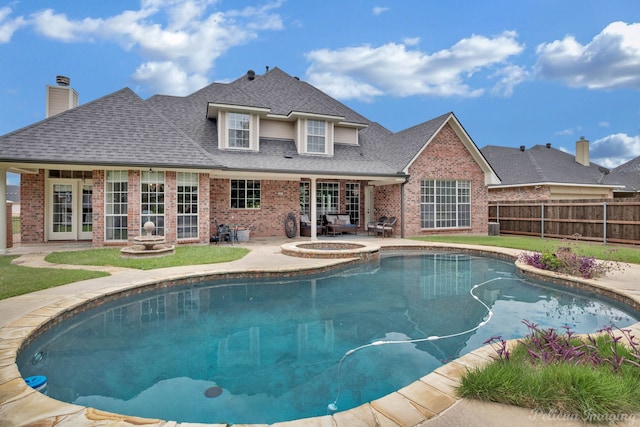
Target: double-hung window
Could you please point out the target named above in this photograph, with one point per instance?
(239, 130)
(187, 205)
(116, 205)
(152, 200)
(353, 201)
(245, 194)
(445, 203)
(316, 136)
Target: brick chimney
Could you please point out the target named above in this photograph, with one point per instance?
(582, 151)
(60, 98)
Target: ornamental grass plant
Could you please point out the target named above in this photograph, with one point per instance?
(594, 378)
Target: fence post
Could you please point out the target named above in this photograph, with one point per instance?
(498, 213)
(542, 220)
(604, 223)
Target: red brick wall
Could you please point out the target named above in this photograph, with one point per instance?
(387, 201)
(32, 207)
(277, 199)
(97, 201)
(445, 157)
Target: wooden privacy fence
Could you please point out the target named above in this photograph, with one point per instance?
(607, 221)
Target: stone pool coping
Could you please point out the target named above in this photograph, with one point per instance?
(412, 405)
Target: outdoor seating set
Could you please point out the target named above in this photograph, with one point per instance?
(382, 226)
(332, 224)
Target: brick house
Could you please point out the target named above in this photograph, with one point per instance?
(546, 173)
(248, 152)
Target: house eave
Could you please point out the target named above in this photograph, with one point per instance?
(553, 184)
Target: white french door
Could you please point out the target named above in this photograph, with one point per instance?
(70, 209)
(368, 205)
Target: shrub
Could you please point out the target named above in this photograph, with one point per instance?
(565, 260)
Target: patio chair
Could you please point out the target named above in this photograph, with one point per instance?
(226, 234)
(386, 226)
(371, 227)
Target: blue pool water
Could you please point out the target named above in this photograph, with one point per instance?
(263, 351)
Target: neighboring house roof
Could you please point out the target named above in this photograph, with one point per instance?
(13, 193)
(628, 174)
(121, 129)
(542, 164)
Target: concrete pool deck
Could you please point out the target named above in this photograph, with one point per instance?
(430, 401)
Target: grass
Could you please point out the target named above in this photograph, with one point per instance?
(185, 255)
(536, 244)
(18, 280)
(595, 379)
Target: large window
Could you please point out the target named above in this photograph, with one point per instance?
(245, 194)
(353, 201)
(316, 141)
(445, 203)
(187, 205)
(239, 130)
(152, 200)
(328, 194)
(116, 205)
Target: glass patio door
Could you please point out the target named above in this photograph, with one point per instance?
(70, 210)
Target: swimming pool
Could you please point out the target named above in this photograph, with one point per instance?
(270, 350)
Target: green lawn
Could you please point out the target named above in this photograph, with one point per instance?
(536, 244)
(185, 255)
(18, 280)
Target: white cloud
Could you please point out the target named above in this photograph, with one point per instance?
(379, 10)
(9, 26)
(393, 69)
(610, 60)
(411, 41)
(565, 132)
(179, 40)
(510, 77)
(615, 149)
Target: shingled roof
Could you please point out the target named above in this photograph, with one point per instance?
(118, 129)
(541, 164)
(121, 129)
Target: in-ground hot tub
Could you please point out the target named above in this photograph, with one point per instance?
(324, 249)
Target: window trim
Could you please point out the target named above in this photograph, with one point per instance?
(229, 118)
(257, 199)
(308, 127)
(123, 176)
(190, 179)
(462, 194)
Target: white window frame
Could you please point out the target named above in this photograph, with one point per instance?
(152, 200)
(187, 206)
(116, 205)
(352, 201)
(239, 123)
(445, 203)
(327, 198)
(316, 136)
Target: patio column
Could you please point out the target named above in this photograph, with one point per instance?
(3, 211)
(312, 214)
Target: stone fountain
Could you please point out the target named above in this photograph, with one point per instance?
(147, 245)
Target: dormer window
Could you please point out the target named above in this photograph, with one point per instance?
(239, 130)
(316, 136)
